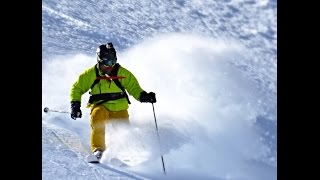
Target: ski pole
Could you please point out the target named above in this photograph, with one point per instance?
(46, 109)
(155, 120)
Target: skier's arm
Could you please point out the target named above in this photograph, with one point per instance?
(130, 83)
(80, 87)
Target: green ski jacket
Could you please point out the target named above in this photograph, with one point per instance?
(86, 79)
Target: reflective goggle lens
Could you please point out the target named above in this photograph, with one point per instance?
(109, 62)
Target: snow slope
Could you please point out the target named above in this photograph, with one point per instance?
(212, 65)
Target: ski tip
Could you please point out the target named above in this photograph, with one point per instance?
(92, 159)
(94, 162)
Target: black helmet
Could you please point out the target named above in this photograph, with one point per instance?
(106, 54)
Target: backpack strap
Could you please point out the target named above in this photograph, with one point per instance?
(114, 72)
(104, 97)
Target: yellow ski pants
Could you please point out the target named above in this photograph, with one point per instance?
(100, 116)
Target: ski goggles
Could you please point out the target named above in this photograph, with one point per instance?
(108, 61)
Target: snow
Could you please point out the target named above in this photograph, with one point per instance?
(212, 65)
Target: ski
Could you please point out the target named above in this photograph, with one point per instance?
(92, 159)
(114, 161)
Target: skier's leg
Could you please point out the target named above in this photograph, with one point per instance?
(119, 117)
(99, 115)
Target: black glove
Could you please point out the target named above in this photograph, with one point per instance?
(148, 97)
(75, 110)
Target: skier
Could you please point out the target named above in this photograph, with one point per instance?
(108, 100)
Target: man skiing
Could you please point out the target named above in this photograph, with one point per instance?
(108, 100)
